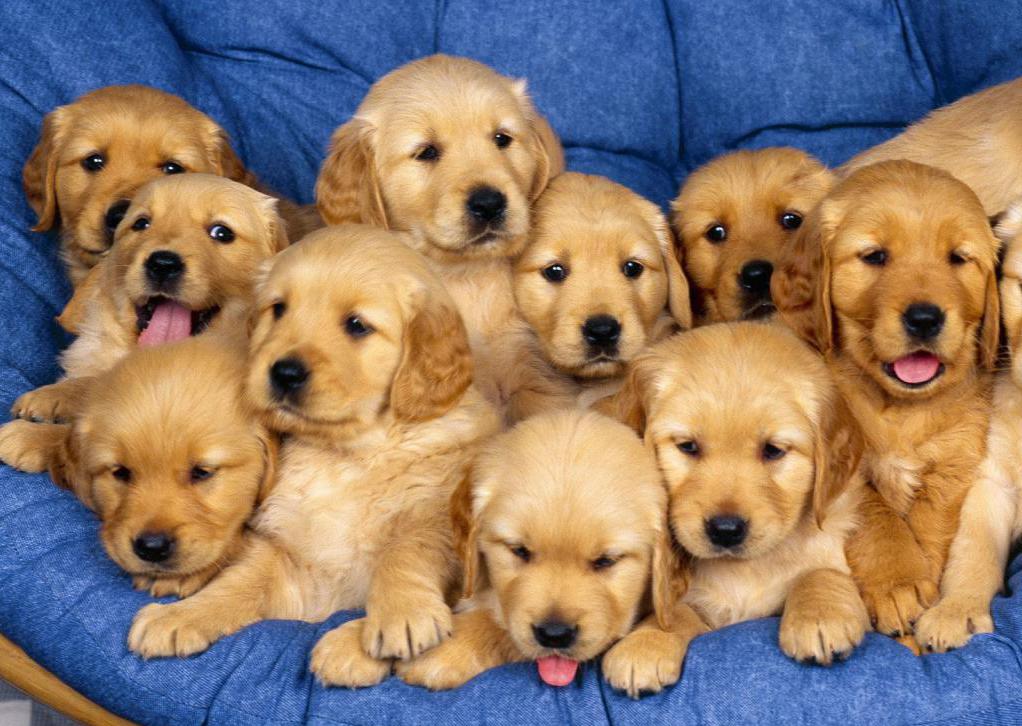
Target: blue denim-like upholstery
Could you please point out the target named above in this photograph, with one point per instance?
(640, 90)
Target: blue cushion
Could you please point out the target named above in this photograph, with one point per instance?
(641, 91)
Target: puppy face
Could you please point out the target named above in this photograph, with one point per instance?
(446, 149)
(734, 217)
(597, 275)
(907, 289)
(95, 153)
(565, 511)
(351, 326)
(170, 460)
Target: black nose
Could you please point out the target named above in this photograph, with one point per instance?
(486, 204)
(755, 277)
(601, 331)
(115, 214)
(164, 267)
(923, 320)
(727, 531)
(288, 375)
(153, 546)
(555, 634)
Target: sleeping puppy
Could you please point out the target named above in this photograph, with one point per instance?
(185, 257)
(455, 154)
(166, 453)
(598, 279)
(759, 455)
(977, 139)
(556, 527)
(359, 358)
(734, 218)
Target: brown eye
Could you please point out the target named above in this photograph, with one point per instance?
(221, 233)
(632, 269)
(603, 562)
(428, 153)
(876, 258)
(689, 447)
(122, 474)
(356, 327)
(555, 272)
(502, 140)
(172, 167)
(141, 224)
(93, 163)
(956, 259)
(791, 220)
(200, 474)
(279, 309)
(521, 552)
(772, 453)
(717, 233)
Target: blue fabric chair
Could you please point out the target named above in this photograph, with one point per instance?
(640, 90)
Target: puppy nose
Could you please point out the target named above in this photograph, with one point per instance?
(726, 531)
(115, 214)
(923, 320)
(164, 266)
(153, 546)
(288, 375)
(555, 634)
(601, 331)
(755, 277)
(486, 204)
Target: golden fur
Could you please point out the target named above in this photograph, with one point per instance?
(758, 198)
(376, 439)
(376, 173)
(559, 520)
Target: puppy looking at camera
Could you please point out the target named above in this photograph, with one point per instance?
(167, 454)
(358, 356)
(759, 455)
(734, 218)
(598, 279)
(455, 154)
(556, 527)
(184, 260)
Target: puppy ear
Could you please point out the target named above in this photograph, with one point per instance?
(670, 577)
(466, 535)
(271, 446)
(276, 228)
(628, 404)
(74, 313)
(223, 158)
(348, 189)
(1011, 296)
(39, 176)
(837, 450)
(679, 298)
(66, 466)
(990, 330)
(545, 144)
(436, 364)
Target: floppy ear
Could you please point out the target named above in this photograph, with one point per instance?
(1011, 297)
(837, 450)
(628, 404)
(66, 466)
(466, 535)
(270, 444)
(990, 332)
(39, 176)
(348, 189)
(679, 299)
(544, 142)
(224, 160)
(436, 364)
(276, 228)
(74, 313)
(670, 576)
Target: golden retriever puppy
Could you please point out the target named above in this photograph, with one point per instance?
(455, 154)
(598, 279)
(734, 218)
(977, 139)
(167, 454)
(759, 455)
(185, 258)
(358, 356)
(906, 311)
(557, 527)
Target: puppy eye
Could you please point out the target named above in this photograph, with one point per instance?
(716, 234)
(428, 153)
(603, 562)
(221, 233)
(93, 163)
(632, 269)
(521, 552)
(502, 140)
(791, 220)
(689, 447)
(876, 258)
(200, 473)
(772, 453)
(555, 272)
(172, 167)
(355, 327)
(279, 309)
(122, 473)
(956, 259)
(141, 224)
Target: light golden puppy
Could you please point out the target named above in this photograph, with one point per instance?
(599, 279)
(977, 139)
(557, 528)
(185, 258)
(167, 454)
(358, 356)
(734, 218)
(455, 154)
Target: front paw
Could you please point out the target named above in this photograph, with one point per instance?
(46, 404)
(894, 610)
(339, 660)
(178, 629)
(823, 632)
(644, 661)
(29, 446)
(172, 586)
(404, 626)
(951, 624)
(442, 668)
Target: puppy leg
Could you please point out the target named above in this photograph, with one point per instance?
(476, 645)
(55, 403)
(180, 587)
(31, 446)
(824, 618)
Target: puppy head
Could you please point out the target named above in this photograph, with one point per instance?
(1009, 232)
(598, 274)
(565, 511)
(351, 326)
(169, 458)
(734, 218)
(448, 150)
(906, 287)
(94, 153)
(187, 246)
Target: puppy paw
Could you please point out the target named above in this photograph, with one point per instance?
(172, 586)
(895, 610)
(46, 404)
(405, 626)
(644, 661)
(442, 668)
(177, 629)
(339, 660)
(951, 624)
(823, 634)
(28, 446)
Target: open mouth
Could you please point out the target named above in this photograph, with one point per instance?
(915, 370)
(556, 670)
(163, 320)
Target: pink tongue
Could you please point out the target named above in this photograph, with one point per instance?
(916, 368)
(170, 322)
(557, 671)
